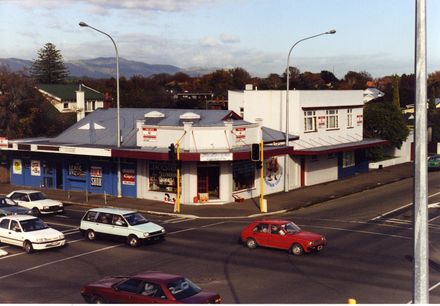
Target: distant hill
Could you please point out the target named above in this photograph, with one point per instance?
(104, 67)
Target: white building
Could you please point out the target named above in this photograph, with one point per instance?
(329, 124)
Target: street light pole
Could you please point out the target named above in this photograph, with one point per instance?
(118, 121)
(286, 172)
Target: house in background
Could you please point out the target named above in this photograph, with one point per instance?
(329, 124)
(74, 98)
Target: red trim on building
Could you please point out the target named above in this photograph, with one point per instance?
(303, 172)
(338, 149)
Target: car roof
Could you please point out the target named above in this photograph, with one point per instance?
(273, 221)
(20, 217)
(25, 191)
(157, 276)
(113, 210)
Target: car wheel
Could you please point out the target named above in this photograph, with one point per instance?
(35, 211)
(133, 241)
(251, 243)
(91, 235)
(96, 299)
(27, 247)
(297, 249)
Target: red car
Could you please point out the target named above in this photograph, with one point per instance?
(145, 288)
(281, 234)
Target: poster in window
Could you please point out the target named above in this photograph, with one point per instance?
(35, 168)
(96, 176)
(17, 166)
(359, 119)
(76, 169)
(128, 177)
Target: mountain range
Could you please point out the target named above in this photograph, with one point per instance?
(104, 67)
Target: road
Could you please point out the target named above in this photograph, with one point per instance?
(368, 257)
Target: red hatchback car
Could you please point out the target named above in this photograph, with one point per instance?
(281, 234)
(146, 288)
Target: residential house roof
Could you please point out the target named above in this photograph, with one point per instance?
(67, 92)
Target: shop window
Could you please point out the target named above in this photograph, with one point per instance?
(162, 176)
(309, 121)
(243, 174)
(332, 119)
(348, 159)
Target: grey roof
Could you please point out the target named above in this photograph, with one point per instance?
(128, 116)
(67, 92)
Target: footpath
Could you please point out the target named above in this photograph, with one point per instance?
(276, 203)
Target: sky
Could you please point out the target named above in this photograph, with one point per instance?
(376, 36)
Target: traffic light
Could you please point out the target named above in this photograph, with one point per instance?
(172, 152)
(255, 152)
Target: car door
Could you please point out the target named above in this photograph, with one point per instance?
(119, 226)
(15, 233)
(150, 293)
(127, 292)
(22, 199)
(4, 230)
(260, 233)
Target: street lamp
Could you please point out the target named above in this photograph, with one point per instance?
(286, 176)
(118, 121)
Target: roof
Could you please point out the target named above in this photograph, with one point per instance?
(20, 217)
(113, 210)
(67, 92)
(349, 146)
(26, 191)
(157, 276)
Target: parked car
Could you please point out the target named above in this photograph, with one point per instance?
(9, 207)
(120, 222)
(36, 201)
(281, 234)
(434, 162)
(147, 288)
(29, 232)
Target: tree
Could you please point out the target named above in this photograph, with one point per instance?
(49, 67)
(396, 94)
(23, 110)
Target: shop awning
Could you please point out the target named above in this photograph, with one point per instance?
(349, 146)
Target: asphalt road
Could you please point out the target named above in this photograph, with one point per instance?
(368, 257)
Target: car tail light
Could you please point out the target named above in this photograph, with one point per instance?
(218, 300)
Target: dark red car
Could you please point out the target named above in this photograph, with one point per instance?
(281, 234)
(145, 288)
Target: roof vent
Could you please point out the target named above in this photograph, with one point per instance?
(189, 116)
(154, 114)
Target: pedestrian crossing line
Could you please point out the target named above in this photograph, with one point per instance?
(177, 220)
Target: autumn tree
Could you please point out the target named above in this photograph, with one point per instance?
(49, 67)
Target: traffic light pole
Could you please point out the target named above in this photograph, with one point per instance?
(263, 203)
(177, 208)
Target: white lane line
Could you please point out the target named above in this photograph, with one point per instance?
(357, 231)
(58, 261)
(402, 207)
(61, 224)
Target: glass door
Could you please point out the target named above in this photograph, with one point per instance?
(208, 181)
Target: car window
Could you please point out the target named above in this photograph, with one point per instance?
(17, 196)
(291, 228)
(105, 218)
(15, 226)
(90, 216)
(4, 223)
(37, 196)
(152, 290)
(118, 220)
(261, 228)
(135, 219)
(130, 285)
(34, 224)
(183, 288)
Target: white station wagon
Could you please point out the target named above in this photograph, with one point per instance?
(120, 222)
(29, 232)
(36, 201)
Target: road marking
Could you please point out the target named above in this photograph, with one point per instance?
(357, 231)
(61, 224)
(58, 261)
(399, 208)
(177, 220)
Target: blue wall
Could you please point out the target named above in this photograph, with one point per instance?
(361, 165)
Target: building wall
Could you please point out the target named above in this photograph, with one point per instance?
(320, 169)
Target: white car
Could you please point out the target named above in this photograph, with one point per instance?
(36, 201)
(29, 232)
(120, 222)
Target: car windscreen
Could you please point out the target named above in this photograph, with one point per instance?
(135, 219)
(183, 288)
(291, 228)
(31, 225)
(36, 196)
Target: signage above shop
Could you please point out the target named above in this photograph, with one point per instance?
(215, 156)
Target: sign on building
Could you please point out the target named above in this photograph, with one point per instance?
(240, 133)
(35, 168)
(149, 134)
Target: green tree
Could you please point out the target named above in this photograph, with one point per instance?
(49, 67)
(23, 110)
(383, 120)
(396, 94)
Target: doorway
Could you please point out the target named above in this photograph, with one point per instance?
(208, 180)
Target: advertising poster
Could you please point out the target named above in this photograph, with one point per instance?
(128, 177)
(96, 176)
(240, 133)
(16, 166)
(35, 168)
(149, 134)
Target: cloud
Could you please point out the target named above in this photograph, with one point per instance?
(229, 39)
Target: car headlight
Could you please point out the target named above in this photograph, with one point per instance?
(40, 239)
(310, 243)
(322, 238)
(163, 230)
(146, 235)
(60, 205)
(29, 212)
(45, 207)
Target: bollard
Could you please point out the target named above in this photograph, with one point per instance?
(351, 301)
(105, 198)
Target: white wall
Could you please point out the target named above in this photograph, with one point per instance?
(322, 170)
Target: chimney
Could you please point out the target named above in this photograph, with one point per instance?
(249, 87)
(80, 104)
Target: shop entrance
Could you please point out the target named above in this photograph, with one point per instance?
(208, 180)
